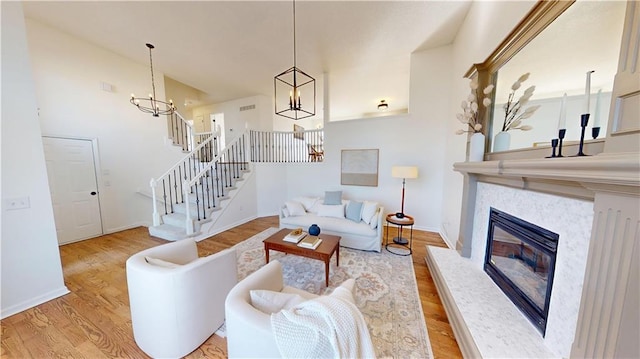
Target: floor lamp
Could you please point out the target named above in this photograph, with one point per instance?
(403, 172)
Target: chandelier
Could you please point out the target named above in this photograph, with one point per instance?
(291, 85)
(151, 104)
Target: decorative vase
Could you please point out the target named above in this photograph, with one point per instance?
(314, 230)
(502, 141)
(476, 147)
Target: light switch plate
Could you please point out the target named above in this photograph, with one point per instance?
(16, 203)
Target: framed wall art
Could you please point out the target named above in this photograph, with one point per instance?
(359, 167)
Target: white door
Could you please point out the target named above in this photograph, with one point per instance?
(74, 190)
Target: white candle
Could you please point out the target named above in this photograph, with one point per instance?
(596, 119)
(587, 91)
(562, 120)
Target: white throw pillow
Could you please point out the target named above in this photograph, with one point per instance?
(368, 210)
(295, 208)
(345, 291)
(307, 202)
(160, 263)
(374, 219)
(285, 212)
(326, 210)
(268, 301)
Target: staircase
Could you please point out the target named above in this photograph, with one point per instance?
(195, 191)
(192, 195)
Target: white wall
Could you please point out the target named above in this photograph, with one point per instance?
(132, 145)
(486, 25)
(410, 140)
(31, 272)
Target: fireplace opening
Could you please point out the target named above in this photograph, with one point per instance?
(520, 258)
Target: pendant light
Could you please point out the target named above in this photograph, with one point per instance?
(295, 91)
(152, 104)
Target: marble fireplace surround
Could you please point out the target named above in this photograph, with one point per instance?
(568, 195)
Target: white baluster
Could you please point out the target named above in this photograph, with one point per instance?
(188, 221)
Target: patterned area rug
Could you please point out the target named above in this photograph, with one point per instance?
(386, 291)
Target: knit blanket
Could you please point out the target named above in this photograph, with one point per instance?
(324, 327)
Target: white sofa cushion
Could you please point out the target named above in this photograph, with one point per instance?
(336, 211)
(368, 210)
(307, 202)
(268, 301)
(295, 208)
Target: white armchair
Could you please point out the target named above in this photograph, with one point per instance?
(249, 333)
(176, 298)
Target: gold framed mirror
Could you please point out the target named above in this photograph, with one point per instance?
(556, 43)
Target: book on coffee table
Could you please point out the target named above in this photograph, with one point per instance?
(310, 242)
(295, 236)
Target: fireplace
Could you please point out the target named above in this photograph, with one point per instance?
(520, 258)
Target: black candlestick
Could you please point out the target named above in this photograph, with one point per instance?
(561, 134)
(554, 144)
(584, 120)
(595, 131)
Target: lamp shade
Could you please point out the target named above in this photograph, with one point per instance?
(404, 172)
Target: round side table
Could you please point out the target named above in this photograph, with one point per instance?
(399, 241)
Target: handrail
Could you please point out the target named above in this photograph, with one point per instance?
(213, 179)
(185, 168)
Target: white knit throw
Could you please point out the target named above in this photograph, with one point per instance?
(324, 327)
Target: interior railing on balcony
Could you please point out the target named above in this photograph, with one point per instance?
(296, 146)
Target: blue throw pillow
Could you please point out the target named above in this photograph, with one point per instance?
(332, 197)
(353, 211)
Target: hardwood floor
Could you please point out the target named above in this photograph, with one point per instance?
(93, 321)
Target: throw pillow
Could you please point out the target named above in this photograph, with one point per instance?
(374, 219)
(160, 263)
(285, 212)
(268, 301)
(368, 210)
(336, 211)
(354, 211)
(332, 197)
(307, 202)
(345, 291)
(295, 208)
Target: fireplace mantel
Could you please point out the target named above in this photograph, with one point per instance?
(578, 177)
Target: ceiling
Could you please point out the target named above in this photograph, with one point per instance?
(233, 49)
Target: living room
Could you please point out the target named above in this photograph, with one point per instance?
(424, 137)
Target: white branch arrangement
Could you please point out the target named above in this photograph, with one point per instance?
(469, 115)
(514, 112)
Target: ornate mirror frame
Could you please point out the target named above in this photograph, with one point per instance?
(537, 19)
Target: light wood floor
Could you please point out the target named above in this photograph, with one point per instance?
(93, 321)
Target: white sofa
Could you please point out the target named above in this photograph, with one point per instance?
(176, 298)
(365, 234)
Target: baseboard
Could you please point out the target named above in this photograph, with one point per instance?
(32, 302)
(130, 226)
(446, 239)
(426, 229)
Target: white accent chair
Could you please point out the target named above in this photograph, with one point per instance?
(249, 333)
(177, 299)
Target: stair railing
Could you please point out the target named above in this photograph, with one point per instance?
(185, 169)
(213, 181)
(294, 146)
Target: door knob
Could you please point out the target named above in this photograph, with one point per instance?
(93, 193)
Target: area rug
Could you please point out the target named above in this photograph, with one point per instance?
(386, 291)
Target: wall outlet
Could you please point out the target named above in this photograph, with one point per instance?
(16, 203)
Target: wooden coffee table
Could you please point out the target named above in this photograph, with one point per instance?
(325, 250)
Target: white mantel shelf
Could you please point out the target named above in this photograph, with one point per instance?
(571, 176)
